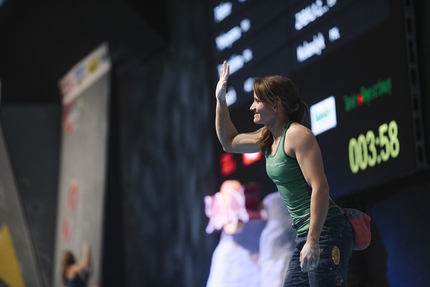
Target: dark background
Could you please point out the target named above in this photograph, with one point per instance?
(161, 143)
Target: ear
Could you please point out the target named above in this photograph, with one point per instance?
(276, 106)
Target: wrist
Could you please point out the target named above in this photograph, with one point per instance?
(312, 240)
(221, 100)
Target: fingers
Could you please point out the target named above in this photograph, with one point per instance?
(225, 71)
(307, 264)
(220, 91)
(303, 263)
(309, 257)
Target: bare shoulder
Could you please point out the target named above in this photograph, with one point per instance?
(298, 131)
(72, 271)
(299, 138)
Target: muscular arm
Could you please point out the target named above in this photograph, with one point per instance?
(303, 144)
(228, 136)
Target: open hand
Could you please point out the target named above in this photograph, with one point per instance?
(221, 87)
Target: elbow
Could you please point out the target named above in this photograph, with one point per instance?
(326, 189)
(322, 190)
(326, 192)
(227, 147)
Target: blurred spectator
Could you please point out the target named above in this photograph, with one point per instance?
(234, 211)
(277, 242)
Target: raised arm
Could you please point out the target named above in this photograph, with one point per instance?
(83, 263)
(227, 133)
(85, 257)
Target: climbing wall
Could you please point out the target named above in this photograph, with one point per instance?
(85, 92)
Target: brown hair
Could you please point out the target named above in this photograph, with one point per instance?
(275, 89)
(67, 260)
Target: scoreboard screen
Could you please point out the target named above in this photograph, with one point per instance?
(355, 66)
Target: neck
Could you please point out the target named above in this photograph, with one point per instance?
(277, 128)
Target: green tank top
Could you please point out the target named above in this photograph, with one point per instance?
(285, 172)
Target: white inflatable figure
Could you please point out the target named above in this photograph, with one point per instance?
(277, 242)
(226, 207)
(235, 259)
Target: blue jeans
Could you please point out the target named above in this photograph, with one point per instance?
(336, 242)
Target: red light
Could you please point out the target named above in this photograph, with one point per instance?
(228, 164)
(250, 158)
(360, 99)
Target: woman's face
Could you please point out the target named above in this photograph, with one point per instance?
(263, 112)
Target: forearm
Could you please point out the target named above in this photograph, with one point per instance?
(85, 257)
(318, 211)
(225, 129)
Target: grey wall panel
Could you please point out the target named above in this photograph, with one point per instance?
(32, 134)
(12, 215)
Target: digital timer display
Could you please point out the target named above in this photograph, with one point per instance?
(367, 150)
(351, 61)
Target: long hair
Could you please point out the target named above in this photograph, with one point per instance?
(67, 260)
(274, 89)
